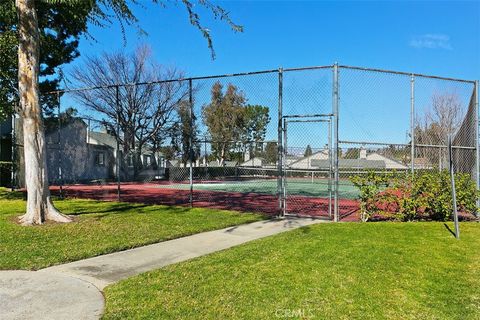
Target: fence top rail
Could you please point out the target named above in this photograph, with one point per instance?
(373, 143)
(420, 145)
(308, 68)
(229, 75)
(113, 85)
(320, 115)
(316, 120)
(406, 73)
(218, 76)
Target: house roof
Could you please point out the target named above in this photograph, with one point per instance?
(226, 163)
(350, 163)
(389, 162)
(103, 138)
(323, 152)
(255, 160)
(106, 139)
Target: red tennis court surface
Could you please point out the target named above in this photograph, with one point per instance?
(246, 202)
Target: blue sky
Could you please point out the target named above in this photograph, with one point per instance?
(430, 37)
(436, 37)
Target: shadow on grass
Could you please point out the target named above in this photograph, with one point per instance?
(116, 209)
(306, 229)
(449, 230)
(6, 194)
(119, 208)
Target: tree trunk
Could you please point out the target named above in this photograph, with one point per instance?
(137, 162)
(222, 156)
(39, 203)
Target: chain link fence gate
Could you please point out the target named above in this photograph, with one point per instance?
(281, 142)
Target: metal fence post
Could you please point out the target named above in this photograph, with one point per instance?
(477, 146)
(280, 159)
(60, 177)
(335, 144)
(284, 167)
(330, 167)
(454, 191)
(205, 164)
(117, 106)
(14, 153)
(412, 124)
(190, 139)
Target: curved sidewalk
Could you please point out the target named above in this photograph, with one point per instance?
(56, 285)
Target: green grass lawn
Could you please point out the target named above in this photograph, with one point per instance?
(326, 271)
(98, 228)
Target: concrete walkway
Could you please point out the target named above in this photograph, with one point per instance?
(107, 269)
(30, 295)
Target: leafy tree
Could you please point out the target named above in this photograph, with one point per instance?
(308, 151)
(39, 204)
(60, 27)
(234, 125)
(187, 132)
(223, 118)
(271, 152)
(169, 152)
(255, 119)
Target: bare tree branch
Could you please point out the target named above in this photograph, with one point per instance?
(145, 110)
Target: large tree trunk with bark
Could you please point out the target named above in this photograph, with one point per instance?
(39, 203)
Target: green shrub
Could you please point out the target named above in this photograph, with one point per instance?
(369, 185)
(426, 195)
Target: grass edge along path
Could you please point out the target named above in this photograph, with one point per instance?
(325, 271)
(99, 228)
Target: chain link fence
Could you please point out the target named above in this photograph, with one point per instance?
(281, 142)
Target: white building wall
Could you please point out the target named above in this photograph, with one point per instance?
(306, 163)
(253, 162)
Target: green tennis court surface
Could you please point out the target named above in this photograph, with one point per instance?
(295, 186)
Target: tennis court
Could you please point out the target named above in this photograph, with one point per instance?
(264, 181)
(244, 189)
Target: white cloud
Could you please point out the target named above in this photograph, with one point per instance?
(431, 41)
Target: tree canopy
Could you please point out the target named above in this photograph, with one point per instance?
(308, 151)
(231, 123)
(62, 23)
(61, 26)
(223, 118)
(255, 119)
(26, 28)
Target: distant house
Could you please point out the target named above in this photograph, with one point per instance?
(350, 164)
(309, 162)
(77, 155)
(289, 159)
(226, 163)
(173, 163)
(321, 160)
(254, 162)
(389, 163)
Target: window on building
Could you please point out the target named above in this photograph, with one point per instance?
(100, 159)
(147, 160)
